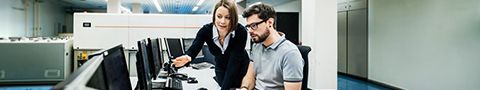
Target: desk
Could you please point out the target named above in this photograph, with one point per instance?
(204, 78)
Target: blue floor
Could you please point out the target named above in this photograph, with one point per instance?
(26, 87)
(350, 83)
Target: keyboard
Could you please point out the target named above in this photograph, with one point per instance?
(174, 83)
(158, 85)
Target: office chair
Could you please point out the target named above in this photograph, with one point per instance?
(304, 50)
(207, 56)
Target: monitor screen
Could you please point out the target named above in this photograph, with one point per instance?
(155, 58)
(89, 75)
(105, 70)
(143, 71)
(116, 70)
(174, 47)
(98, 79)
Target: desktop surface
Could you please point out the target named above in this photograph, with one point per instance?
(203, 76)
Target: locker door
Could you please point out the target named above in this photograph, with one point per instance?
(342, 42)
(357, 44)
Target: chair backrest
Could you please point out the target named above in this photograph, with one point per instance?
(207, 56)
(304, 50)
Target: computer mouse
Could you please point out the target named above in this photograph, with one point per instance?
(192, 80)
(202, 88)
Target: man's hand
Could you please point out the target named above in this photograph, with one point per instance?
(248, 81)
(241, 89)
(181, 61)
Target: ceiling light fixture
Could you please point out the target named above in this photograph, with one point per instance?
(200, 2)
(195, 8)
(155, 2)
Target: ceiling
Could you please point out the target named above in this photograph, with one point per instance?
(167, 6)
(271, 2)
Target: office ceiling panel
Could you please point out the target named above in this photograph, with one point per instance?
(167, 6)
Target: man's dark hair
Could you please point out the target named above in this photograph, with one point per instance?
(264, 12)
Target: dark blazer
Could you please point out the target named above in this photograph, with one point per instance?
(231, 66)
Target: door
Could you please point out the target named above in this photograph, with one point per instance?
(357, 44)
(342, 42)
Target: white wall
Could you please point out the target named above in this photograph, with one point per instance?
(51, 13)
(127, 29)
(319, 30)
(425, 44)
(13, 21)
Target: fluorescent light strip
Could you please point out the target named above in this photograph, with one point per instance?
(195, 8)
(200, 2)
(155, 2)
(126, 10)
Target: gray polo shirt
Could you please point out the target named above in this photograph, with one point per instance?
(278, 63)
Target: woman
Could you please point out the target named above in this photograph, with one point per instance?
(226, 39)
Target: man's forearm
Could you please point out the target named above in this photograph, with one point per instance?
(293, 85)
(249, 79)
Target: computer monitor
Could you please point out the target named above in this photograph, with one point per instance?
(160, 52)
(155, 59)
(116, 70)
(187, 42)
(105, 70)
(98, 80)
(89, 75)
(174, 47)
(143, 71)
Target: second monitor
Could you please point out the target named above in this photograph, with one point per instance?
(174, 47)
(156, 56)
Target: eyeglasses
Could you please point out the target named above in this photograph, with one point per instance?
(254, 26)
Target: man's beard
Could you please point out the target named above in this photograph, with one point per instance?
(262, 37)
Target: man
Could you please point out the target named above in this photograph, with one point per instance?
(276, 63)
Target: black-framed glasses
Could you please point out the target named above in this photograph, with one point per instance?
(254, 26)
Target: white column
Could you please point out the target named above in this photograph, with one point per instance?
(114, 6)
(319, 31)
(137, 8)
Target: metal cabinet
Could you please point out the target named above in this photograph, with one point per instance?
(353, 37)
(35, 61)
(357, 43)
(342, 42)
(348, 5)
